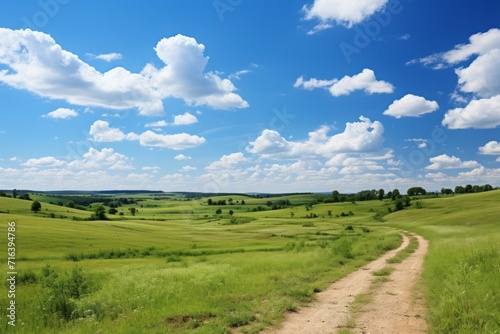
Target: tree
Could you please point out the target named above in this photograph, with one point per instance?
(112, 211)
(231, 212)
(398, 205)
(243, 202)
(70, 204)
(36, 206)
(218, 211)
(99, 213)
(25, 197)
(459, 190)
(468, 188)
(415, 191)
(14, 193)
(209, 201)
(133, 211)
(395, 194)
(381, 193)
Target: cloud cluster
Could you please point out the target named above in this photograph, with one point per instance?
(101, 131)
(38, 64)
(481, 79)
(358, 137)
(444, 161)
(365, 81)
(343, 12)
(61, 113)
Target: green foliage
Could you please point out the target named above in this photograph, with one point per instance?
(36, 206)
(99, 213)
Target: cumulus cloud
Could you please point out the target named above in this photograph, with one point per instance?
(478, 114)
(479, 44)
(491, 148)
(228, 161)
(411, 106)
(188, 169)
(61, 113)
(36, 63)
(482, 76)
(102, 132)
(363, 136)
(44, 162)
(158, 124)
(181, 157)
(343, 12)
(106, 158)
(183, 75)
(185, 119)
(178, 141)
(365, 81)
(444, 161)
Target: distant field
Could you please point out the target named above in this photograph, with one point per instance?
(177, 266)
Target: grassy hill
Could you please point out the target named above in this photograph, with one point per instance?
(462, 269)
(177, 266)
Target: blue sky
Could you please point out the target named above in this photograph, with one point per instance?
(249, 96)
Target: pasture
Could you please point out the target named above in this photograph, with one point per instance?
(177, 266)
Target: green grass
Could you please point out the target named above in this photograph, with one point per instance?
(178, 267)
(462, 269)
(386, 271)
(406, 252)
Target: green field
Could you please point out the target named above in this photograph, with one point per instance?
(178, 267)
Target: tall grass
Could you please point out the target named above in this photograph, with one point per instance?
(462, 269)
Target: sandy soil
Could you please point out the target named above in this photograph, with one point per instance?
(397, 307)
(394, 308)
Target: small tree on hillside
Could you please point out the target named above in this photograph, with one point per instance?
(36, 206)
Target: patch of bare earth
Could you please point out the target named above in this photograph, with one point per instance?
(333, 306)
(397, 306)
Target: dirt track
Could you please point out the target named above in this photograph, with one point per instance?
(394, 308)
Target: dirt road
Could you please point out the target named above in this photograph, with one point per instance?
(393, 309)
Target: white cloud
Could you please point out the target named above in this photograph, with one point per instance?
(227, 161)
(44, 162)
(238, 74)
(178, 141)
(183, 75)
(478, 114)
(181, 157)
(365, 81)
(102, 132)
(344, 12)
(61, 113)
(411, 106)
(151, 168)
(38, 64)
(109, 56)
(313, 83)
(158, 124)
(482, 77)
(185, 119)
(491, 148)
(363, 136)
(479, 44)
(106, 158)
(444, 161)
(188, 169)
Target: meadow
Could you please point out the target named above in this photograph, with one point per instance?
(177, 266)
